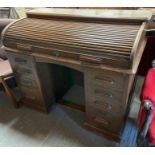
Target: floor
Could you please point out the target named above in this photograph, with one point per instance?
(61, 127)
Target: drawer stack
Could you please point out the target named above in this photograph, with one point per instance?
(24, 69)
(105, 99)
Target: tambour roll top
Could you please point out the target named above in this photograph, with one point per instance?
(111, 42)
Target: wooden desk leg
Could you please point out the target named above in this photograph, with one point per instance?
(9, 93)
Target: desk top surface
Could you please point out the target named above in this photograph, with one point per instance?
(92, 13)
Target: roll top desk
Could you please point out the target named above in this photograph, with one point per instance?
(106, 51)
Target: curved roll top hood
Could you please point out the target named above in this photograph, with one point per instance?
(107, 42)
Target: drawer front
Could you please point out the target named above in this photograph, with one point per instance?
(31, 84)
(21, 71)
(32, 96)
(106, 79)
(20, 60)
(98, 93)
(25, 77)
(103, 120)
(22, 66)
(105, 106)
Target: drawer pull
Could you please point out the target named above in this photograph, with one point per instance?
(107, 105)
(101, 120)
(30, 97)
(104, 79)
(110, 95)
(112, 82)
(103, 93)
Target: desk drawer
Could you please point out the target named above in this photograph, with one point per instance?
(32, 96)
(104, 101)
(106, 79)
(23, 71)
(26, 82)
(94, 92)
(25, 77)
(22, 66)
(104, 106)
(103, 120)
(21, 60)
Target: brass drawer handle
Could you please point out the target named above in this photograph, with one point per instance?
(109, 107)
(106, 106)
(102, 79)
(103, 93)
(101, 120)
(30, 97)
